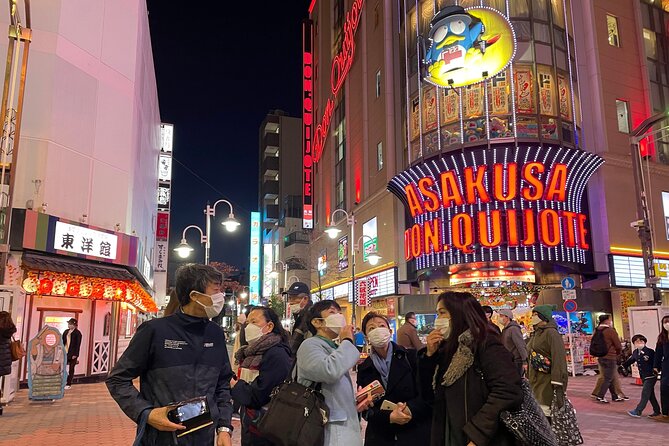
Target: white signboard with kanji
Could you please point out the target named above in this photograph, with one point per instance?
(80, 240)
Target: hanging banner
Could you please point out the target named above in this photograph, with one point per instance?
(565, 100)
(474, 208)
(342, 253)
(429, 109)
(500, 94)
(415, 117)
(467, 46)
(450, 106)
(474, 104)
(546, 96)
(524, 90)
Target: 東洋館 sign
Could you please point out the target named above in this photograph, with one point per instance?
(502, 203)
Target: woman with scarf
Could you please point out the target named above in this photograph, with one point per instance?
(395, 368)
(468, 376)
(265, 363)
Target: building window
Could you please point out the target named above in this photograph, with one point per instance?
(379, 156)
(623, 116)
(378, 84)
(612, 27)
(650, 43)
(340, 155)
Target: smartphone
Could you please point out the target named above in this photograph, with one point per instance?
(194, 414)
(375, 390)
(189, 411)
(388, 405)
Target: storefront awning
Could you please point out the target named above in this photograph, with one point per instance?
(36, 261)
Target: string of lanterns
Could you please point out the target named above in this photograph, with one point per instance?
(508, 295)
(48, 283)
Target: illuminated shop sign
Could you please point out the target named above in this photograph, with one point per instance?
(482, 273)
(383, 283)
(166, 138)
(341, 65)
(518, 203)
(254, 261)
(342, 253)
(468, 46)
(86, 241)
(628, 271)
(307, 124)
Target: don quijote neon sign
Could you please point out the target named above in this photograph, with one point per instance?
(341, 66)
(497, 204)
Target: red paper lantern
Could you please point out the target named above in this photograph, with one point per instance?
(72, 288)
(45, 286)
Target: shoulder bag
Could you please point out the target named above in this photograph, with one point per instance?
(16, 349)
(296, 414)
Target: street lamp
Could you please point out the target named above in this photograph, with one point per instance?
(184, 249)
(275, 273)
(231, 224)
(291, 281)
(373, 257)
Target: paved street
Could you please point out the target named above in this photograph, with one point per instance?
(89, 416)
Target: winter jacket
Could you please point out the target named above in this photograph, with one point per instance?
(300, 330)
(407, 337)
(75, 344)
(547, 341)
(176, 358)
(402, 388)
(274, 369)
(5, 350)
(322, 361)
(512, 338)
(613, 344)
(662, 360)
(644, 359)
(469, 392)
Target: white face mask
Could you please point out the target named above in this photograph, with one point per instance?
(217, 304)
(639, 346)
(335, 322)
(443, 324)
(253, 332)
(295, 308)
(379, 337)
(536, 320)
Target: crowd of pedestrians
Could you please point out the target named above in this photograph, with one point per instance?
(460, 388)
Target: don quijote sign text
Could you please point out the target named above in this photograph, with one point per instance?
(502, 203)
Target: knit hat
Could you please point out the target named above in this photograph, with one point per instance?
(545, 312)
(506, 312)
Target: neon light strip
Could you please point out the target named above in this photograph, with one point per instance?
(311, 6)
(408, 94)
(420, 89)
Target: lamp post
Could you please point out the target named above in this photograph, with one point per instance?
(373, 257)
(643, 224)
(231, 224)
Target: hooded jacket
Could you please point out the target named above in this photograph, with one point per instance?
(5, 350)
(512, 338)
(547, 341)
(176, 358)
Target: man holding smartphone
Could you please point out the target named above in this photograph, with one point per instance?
(178, 358)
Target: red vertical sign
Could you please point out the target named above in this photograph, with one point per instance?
(307, 125)
(162, 226)
(362, 293)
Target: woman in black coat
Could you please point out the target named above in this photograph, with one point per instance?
(265, 363)
(468, 375)
(662, 366)
(395, 368)
(7, 329)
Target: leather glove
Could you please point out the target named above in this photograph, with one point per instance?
(559, 395)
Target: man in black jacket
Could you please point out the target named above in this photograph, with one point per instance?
(177, 358)
(299, 300)
(72, 342)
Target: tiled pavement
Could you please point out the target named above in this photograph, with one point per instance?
(88, 416)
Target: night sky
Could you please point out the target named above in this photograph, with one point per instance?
(220, 67)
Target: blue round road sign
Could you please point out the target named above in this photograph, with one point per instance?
(570, 306)
(568, 283)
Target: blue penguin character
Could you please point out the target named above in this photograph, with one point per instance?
(453, 33)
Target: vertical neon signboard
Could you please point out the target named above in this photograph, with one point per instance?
(254, 266)
(307, 126)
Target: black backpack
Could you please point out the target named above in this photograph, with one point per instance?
(598, 347)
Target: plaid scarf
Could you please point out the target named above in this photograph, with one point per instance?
(250, 356)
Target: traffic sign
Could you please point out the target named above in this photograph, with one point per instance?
(568, 283)
(570, 306)
(568, 294)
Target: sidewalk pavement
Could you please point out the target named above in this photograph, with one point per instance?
(88, 416)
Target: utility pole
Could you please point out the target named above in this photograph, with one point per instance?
(11, 111)
(643, 224)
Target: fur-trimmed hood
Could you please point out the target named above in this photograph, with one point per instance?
(462, 360)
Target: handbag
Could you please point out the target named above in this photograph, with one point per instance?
(528, 423)
(564, 422)
(17, 350)
(296, 414)
(539, 362)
